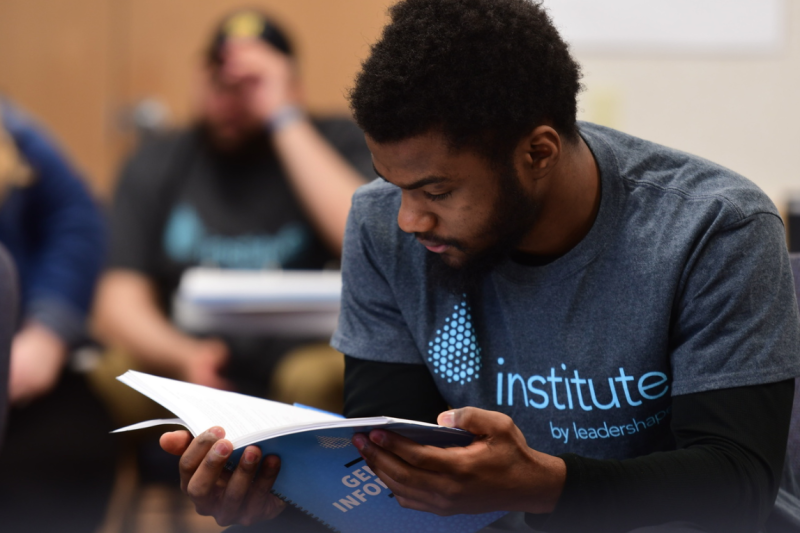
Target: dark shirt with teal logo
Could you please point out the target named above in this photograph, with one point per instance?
(180, 203)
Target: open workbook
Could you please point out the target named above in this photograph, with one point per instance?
(321, 473)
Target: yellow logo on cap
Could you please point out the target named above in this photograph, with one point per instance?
(247, 24)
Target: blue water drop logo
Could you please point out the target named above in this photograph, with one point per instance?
(456, 336)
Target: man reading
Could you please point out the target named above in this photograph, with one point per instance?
(614, 319)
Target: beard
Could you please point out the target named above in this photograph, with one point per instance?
(248, 143)
(514, 213)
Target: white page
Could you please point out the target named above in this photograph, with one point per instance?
(203, 407)
(152, 423)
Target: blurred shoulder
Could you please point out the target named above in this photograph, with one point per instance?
(337, 127)
(154, 158)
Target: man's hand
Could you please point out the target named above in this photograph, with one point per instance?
(497, 472)
(242, 497)
(205, 363)
(37, 357)
(265, 75)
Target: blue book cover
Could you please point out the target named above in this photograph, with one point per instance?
(321, 473)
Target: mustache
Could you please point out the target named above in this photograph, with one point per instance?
(431, 238)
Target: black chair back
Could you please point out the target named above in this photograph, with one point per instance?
(9, 296)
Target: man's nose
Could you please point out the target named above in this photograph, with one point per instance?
(413, 217)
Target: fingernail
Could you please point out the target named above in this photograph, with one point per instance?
(359, 441)
(217, 432)
(378, 437)
(222, 449)
(249, 457)
(448, 419)
(272, 463)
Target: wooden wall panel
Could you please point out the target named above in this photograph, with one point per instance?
(54, 58)
(167, 38)
(78, 64)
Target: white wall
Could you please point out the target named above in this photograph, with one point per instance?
(742, 111)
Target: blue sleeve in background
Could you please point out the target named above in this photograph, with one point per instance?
(55, 232)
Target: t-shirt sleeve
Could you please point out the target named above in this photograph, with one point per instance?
(736, 320)
(371, 325)
(135, 214)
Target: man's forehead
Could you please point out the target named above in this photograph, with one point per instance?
(419, 157)
(419, 147)
(415, 182)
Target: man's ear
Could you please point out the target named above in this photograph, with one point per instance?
(540, 152)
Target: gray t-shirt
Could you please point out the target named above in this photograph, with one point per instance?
(682, 285)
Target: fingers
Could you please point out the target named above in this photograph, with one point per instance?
(195, 454)
(447, 419)
(383, 460)
(251, 57)
(260, 503)
(175, 442)
(412, 487)
(208, 481)
(417, 455)
(237, 487)
(243, 58)
(242, 497)
(477, 421)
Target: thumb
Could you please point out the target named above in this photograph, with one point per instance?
(175, 442)
(476, 421)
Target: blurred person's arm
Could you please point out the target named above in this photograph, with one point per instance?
(128, 314)
(322, 178)
(57, 236)
(128, 317)
(324, 181)
(37, 357)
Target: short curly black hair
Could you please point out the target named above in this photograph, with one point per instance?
(482, 72)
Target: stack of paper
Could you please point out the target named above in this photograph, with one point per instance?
(271, 302)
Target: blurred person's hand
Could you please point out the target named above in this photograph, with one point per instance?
(266, 76)
(239, 497)
(37, 357)
(205, 364)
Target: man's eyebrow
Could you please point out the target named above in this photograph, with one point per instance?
(430, 180)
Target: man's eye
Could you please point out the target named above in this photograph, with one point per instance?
(437, 197)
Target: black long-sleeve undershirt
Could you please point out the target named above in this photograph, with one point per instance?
(723, 476)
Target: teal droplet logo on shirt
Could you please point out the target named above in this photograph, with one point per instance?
(454, 352)
(186, 240)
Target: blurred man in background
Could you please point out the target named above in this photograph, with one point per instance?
(254, 184)
(54, 233)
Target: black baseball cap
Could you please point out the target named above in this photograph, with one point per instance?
(247, 23)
